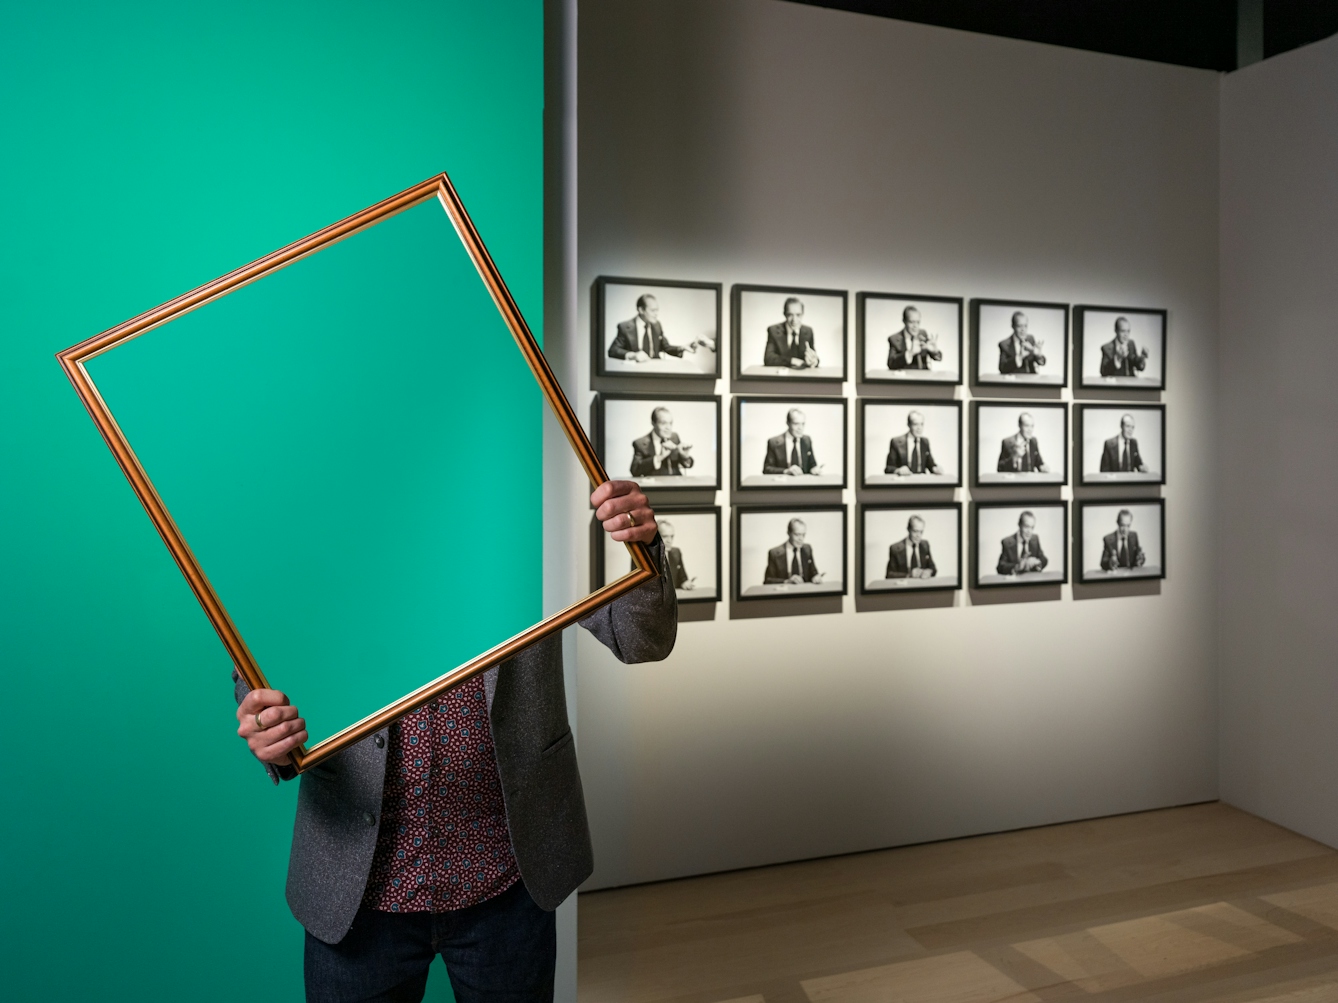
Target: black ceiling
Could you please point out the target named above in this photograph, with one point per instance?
(1198, 33)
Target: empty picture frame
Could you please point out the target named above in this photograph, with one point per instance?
(910, 548)
(691, 535)
(1118, 540)
(903, 338)
(1121, 443)
(789, 442)
(1020, 342)
(789, 552)
(910, 444)
(662, 442)
(788, 333)
(1022, 443)
(1019, 543)
(1120, 347)
(655, 328)
(308, 433)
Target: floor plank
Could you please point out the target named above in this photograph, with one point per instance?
(1184, 905)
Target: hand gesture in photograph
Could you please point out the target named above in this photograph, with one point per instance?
(810, 358)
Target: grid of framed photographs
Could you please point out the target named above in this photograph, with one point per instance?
(1032, 430)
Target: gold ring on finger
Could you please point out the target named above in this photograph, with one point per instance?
(259, 726)
(631, 520)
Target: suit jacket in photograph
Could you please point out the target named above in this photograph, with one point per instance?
(898, 352)
(1008, 361)
(778, 461)
(678, 574)
(1131, 365)
(1010, 562)
(643, 457)
(655, 345)
(339, 801)
(1110, 455)
(1110, 552)
(899, 560)
(899, 455)
(1031, 459)
(778, 351)
(779, 571)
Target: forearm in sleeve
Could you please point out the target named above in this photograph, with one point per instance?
(642, 625)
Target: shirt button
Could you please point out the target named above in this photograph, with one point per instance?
(380, 741)
(369, 818)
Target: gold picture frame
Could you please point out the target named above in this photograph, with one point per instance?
(73, 361)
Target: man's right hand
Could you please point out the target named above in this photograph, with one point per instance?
(271, 726)
(639, 357)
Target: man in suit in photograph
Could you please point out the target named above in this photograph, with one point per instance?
(660, 452)
(790, 344)
(910, 454)
(1121, 452)
(792, 562)
(1022, 550)
(678, 574)
(1020, 352)
(910, 558)
(642, 338)
(1119, 356)
(1021, 452)
(791, 452)
(1120, 549)
(912, 347)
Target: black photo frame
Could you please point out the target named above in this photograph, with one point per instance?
(1092, 367)
(987, 462)
(983, 520)
(872, 452)
(747, 444)
(864, 356)
(983, 345)
(899, 583)
(1094, 463)
(610, 291)
(681, 517)
(608, 411)
(756, 544)
(1094, 514)
(746, 346)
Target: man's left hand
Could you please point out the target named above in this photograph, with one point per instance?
(614, 501)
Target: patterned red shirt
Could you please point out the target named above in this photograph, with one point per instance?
(443, 842)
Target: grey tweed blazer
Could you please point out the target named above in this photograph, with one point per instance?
(339, 801)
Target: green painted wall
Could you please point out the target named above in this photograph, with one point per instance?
(150, 147)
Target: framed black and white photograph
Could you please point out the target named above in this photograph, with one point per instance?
(788, 552)
(656, 327)
(910, 548)
(790, 442)
(1122, 443)
(1019, 543)
(910, 444)
(1015, 342)
(1120, 347)
(909, 339)
(691, 535)
(660, 442)
(1121, 539)
(1020, 442)
(788, 333)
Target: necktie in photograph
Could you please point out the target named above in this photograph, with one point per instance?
(794, 453)
(1124, 457)
(794, 563)
(915, 556)
(1124, 552)
(915, 458)
(645, 341)
(794, 344)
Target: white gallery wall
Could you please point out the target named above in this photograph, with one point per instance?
(757, 141)
(1276, 441)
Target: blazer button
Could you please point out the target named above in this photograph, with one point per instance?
(369, 818)
(380, 741)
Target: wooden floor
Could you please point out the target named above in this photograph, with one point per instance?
(1188, 904)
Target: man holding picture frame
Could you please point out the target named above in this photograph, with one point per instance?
(459, 828)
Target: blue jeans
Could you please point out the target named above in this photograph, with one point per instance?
(499, 951)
